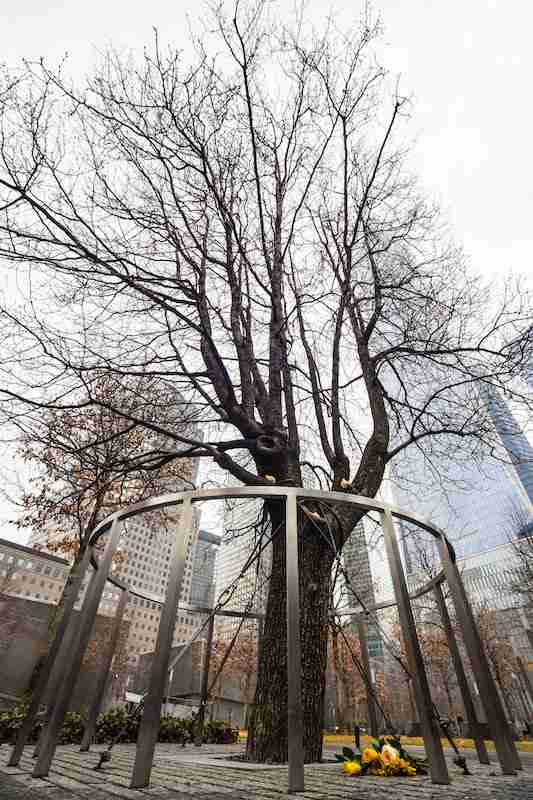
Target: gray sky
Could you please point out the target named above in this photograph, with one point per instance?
(467, 65)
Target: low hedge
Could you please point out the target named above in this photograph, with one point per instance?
(118, 722)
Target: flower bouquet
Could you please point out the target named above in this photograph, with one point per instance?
(384, 757)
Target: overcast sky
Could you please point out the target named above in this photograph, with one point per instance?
(468, 65)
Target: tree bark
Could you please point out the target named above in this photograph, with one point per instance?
(267, 735)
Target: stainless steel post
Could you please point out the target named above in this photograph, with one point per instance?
(430, 732)
(259, 644)
(294, 678)
(85, 622)
(58, 644)
(90, 726)
(168, 690)
(488, 693)
(526, 679)
(149, 728)
(200, 722)
(520, 696)
(464, 688)
(370, 702)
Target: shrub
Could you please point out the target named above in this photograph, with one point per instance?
(10, 722)
(117, 722)
(120, 725)
(72, 731)
(220, 733)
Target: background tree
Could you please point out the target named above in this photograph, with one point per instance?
(239, 668)
(441, 671)
(350, 687)
(88, 462)
(520, 534)
(243, 225)
(500, 654)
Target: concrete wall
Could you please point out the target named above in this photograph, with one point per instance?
(228, 703)
(24, 641)
(187, 674)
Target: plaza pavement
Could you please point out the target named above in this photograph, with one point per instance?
(182, 774)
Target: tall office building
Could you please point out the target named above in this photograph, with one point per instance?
(204, 568)
(485, 504)
(515, 442)
(146, 548)
(359, 589)
(242, 521)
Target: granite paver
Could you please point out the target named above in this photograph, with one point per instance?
(206, 774)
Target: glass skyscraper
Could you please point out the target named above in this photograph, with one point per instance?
(485, 504)
(515, 442)
(203, 572)
(242, 534)
(359, 575)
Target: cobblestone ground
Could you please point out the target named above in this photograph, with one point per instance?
(184, 774)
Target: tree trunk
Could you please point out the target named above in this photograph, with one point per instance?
(267, 735)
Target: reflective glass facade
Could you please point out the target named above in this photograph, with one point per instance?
(515, 442)
(355, 555)
(476, 511)
(203, 573)
(485, 504)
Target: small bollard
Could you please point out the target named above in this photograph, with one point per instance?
(105, 757)
(357, 735)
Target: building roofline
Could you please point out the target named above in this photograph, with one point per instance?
(207, 536)
(33, 551)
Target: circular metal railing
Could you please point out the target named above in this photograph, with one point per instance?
(290, 495)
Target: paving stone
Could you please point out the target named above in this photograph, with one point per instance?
(185, 774)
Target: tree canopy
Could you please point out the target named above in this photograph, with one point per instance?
(242, 223)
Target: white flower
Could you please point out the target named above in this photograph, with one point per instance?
(389, 754)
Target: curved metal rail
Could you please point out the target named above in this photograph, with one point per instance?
(289, 495)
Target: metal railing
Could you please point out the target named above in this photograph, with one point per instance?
(68, 662)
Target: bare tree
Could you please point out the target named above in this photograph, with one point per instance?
(520, 534)
(87, 462)
(500, 654)
(236, 667)
(243, 225)
(9, 578)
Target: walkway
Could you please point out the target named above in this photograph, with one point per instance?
(206, 774)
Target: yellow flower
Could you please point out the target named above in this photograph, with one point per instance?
(411, 771)
(351, 767)
(389, 754)
(369, 755)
